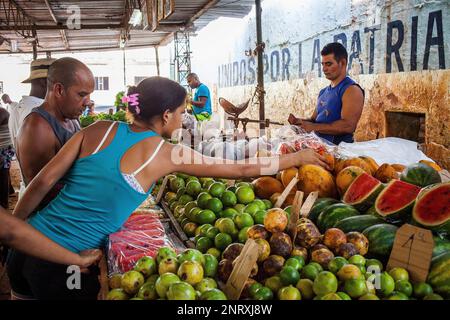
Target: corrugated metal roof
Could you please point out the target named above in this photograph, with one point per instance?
(104, 20)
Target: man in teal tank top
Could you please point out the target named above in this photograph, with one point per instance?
(201, 104)
(339, 106)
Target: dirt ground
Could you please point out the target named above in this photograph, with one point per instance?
(15, 180)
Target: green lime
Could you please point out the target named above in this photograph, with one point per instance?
(306, 288)
(169, 196)
(192, 214)
(228, 213)
(289, 275)
(214, 252)
(289, 293)
(229, 199)
(208, 184)
(203, 244)
(399, 274)
(325, 283)
(193, 188)
(309, 272)
(343, 295)
(357, 260)
(196, 238)
(205, 216)
(387, 284)
(242, 236)
(374, 265)
(330, 296)
(252, 208)
(215, 205)
(243, 220)
(216, 189)
(404, 286)
(204, 229)
(222, 240)
(226, 225)
(259, 216)
(422, 289)
(176, 183)
(433, 296)
(316, 265)
(189, 229)
(274, 283)
(268, 204)
(336, 264)
(294, 263)
(202, 199)
(212, 232)
(189, 206)
(355, 288)
(260, 203)
(263, 293)
(369, 296)
(395, 295)
(191, 178)
(253, 288)
(245, 195)
(239, 207)
(210, 265)
(300, 259)
(180, 193)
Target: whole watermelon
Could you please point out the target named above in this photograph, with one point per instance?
(420, 175)
(358, 223)
(333, 214)
(439, 276)
(319, 206)
(381, 239)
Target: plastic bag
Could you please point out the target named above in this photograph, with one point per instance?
(291, 139)
(141, 235)
(385, 150)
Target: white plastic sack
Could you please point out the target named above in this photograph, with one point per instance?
(387, 150)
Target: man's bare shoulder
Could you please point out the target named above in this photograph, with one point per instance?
(36, 127)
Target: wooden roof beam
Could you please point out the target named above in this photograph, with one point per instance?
(62, 32)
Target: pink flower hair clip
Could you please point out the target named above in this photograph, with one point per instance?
(132, 100)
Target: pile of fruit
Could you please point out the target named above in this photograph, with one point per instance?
(187, 276)
(353, 225)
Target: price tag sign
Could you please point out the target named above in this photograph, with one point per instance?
(295, 214)
(286, 192)
(242, 269)
(412, 250)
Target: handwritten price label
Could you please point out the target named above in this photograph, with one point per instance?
(412, 250)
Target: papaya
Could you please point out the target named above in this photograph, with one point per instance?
(357, 162)
(287, 175)
(315, 178)
(398, 167)
(338, 166)
(372, 164)
(265, 187)
(346, 177)
(386, 173)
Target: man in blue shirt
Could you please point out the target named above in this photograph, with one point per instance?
(339, 105)
(201, 104)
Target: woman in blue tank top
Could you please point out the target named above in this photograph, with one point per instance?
(108, 170)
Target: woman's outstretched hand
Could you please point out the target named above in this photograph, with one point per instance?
(309, 156)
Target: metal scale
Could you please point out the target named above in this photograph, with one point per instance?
(235, 111)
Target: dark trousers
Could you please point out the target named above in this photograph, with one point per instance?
(4, 187)
(44, 280)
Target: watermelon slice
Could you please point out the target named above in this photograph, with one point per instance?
(432, 208)
(395, 202)
(362, 192)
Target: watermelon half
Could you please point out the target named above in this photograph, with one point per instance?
(432, 208)
(395, 202)
(363, 191)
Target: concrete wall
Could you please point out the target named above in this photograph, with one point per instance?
(398, 51)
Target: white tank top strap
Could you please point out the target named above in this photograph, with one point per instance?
(104, 137)
(149, 159)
